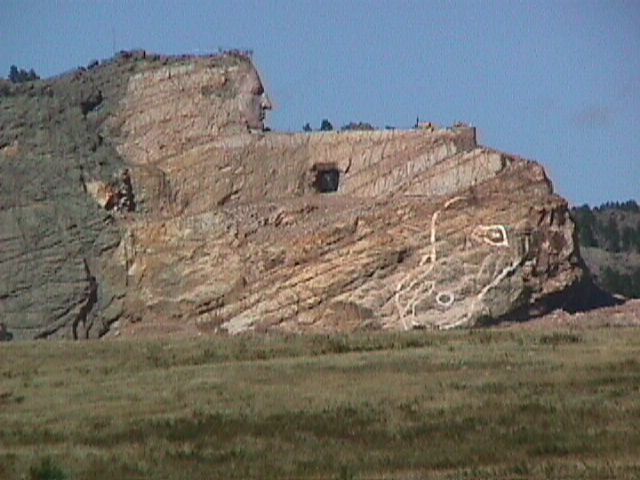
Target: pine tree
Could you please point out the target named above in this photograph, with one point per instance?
(326, 126)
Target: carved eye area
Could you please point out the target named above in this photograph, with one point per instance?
(494, 235)
(257, 89)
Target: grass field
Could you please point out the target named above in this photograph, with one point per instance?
(482, 404)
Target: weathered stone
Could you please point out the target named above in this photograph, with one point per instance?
(217, 226)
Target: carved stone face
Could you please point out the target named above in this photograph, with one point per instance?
(254, 102)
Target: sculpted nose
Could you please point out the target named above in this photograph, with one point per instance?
(265, 103)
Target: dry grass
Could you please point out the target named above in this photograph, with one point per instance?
(483, 404)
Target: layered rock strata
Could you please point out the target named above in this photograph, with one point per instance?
(182, 216)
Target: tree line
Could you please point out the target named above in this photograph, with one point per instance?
(613, 227)
(608, 233)
(327, 126)
(20, 75)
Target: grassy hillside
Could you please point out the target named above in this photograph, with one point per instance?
(610, 245)
(480, 404)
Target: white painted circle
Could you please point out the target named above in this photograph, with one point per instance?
(445, 299)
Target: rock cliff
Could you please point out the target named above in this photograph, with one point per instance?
(144, 197)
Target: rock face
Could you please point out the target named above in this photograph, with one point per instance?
(145, 198)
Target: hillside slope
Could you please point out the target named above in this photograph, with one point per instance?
(610, 244)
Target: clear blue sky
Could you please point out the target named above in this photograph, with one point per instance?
(554, 81)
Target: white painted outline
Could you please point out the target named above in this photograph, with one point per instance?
(416, 285)
(417, 280)
(482, 234)
(450, 298)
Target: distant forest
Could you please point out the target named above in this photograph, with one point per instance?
(613, 227)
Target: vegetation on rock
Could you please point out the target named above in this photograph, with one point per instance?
(326, 126)
(20, 75)
(353, 126)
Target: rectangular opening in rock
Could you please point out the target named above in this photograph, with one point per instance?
(327, 178)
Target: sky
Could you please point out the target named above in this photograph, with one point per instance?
(553, 81)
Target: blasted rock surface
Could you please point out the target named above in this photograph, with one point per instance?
(174, 213)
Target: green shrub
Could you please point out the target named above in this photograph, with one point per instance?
(46, 470)
(560, 338)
